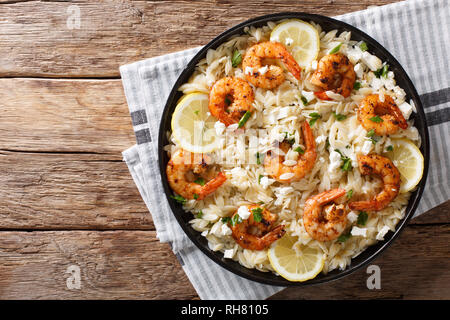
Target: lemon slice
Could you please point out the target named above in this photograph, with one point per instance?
(292, 266)
(193, 125)
(409, 161)
(301, 39)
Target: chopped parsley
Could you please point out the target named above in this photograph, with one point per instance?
(349, 194)
(304, 100)
(179, 199)
(344, 237)
(371, 135)
(195, 196)
(259, 178)
(362, 218)
(299, 150)
(382, 72)
(390, 148)
(226, 220)
(196, 112)
(363, 46)
(236, 59)
(314, 117)
(199, 214)
(339, 117)
(244, 119)
(376, 119)
(357, 85)
(236, 219)
(257, 214)
(346, 161)
(227, 101)
(200, 181)
(336, 49)
(258, 158)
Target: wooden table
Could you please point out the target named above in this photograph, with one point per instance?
(66, 197)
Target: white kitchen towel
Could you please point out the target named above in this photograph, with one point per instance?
(416, 32)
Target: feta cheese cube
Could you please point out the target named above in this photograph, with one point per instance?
(406, 109)
(354, 54)
(243, 212)
(335, 161)
(228, 253)
(359, 231)
(248, 70)
(308, 95)
(367, 147)
(373, 62)
(263, 70)
(382, 233)
(225, 230)
(359, 70)
(352, 216)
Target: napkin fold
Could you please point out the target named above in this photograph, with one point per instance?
(416, 32)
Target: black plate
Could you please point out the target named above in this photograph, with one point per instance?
(183, 217)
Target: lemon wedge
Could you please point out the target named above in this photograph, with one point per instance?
(193, 125)
(293, 266)
(409, 161)
(301, 39)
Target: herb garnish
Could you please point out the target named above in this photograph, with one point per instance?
(244, 119)
(236, 59)
(336, 49)
(179, 199)
(362, 218)
(314, 116)
(363, 46)
(257, 214)
(339, 117)
(200, 181)
(376, 119)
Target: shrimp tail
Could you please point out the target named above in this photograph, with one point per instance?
(212, 185)
(321, 95)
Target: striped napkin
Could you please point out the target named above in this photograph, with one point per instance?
(416, 32)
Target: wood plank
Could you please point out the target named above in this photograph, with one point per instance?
(113, 265)
(134, 265)
(138, 30)
(65, 116)
(68, 191)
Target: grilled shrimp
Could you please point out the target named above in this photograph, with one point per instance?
(257, 233)
(325, 222)
(383, 117)
(230, 98)
(334, 72)
(272, 76)
(273, 163)
(183, 164)
(374, 164)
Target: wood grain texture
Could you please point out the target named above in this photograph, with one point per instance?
(113, 265)
(61, 172)
(134, 265)
(68, 191)
(36, 40)
(50, 115)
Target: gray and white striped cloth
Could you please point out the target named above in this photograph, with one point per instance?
(416, 32)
